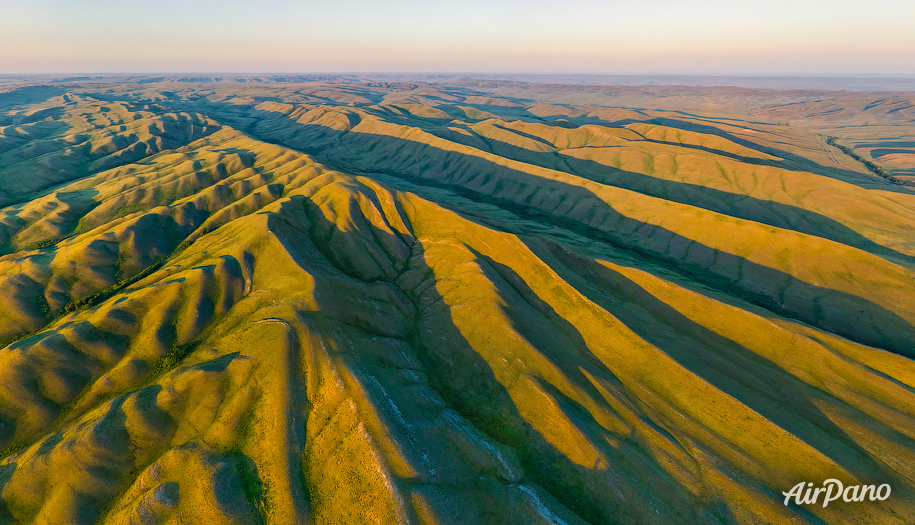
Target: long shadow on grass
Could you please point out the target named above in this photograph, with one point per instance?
(733, 204)
(24, 96)
(748, 377)
(6, 473)
(462, 375)
(578, 209)
(792, 160)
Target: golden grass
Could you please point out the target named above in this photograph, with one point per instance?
(443, 322)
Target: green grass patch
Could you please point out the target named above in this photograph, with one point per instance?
(649, 164)
(256, 490)
(173, 358)
(106, 293)
(47, 242)
(129, 209)
(873, 168)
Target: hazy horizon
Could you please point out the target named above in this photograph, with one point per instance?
(710, 37)
(471, 74)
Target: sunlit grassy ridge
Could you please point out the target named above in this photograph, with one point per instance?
(347, 303)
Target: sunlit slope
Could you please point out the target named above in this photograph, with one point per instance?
(69, 136)
(447, 331)
(809, 246)
(131, 218)
(325, 359)
(737, 172)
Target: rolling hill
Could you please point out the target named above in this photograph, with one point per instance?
(465, 302)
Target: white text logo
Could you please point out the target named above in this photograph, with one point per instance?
(832, 490)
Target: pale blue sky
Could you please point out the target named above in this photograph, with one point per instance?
(640, 36)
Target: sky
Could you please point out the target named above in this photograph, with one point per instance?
(736, 37)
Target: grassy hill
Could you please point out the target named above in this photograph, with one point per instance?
(358, 302)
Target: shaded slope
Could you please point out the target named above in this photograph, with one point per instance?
(69, 136)
(232, 332)
(791, 272)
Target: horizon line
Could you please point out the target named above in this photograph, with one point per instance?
(473, 73)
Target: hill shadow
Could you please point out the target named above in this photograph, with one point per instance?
(27, 95)
(791, 160)
(485, 181)
(738, 205)
(462, 376)
(754, 380)
(6, 473)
